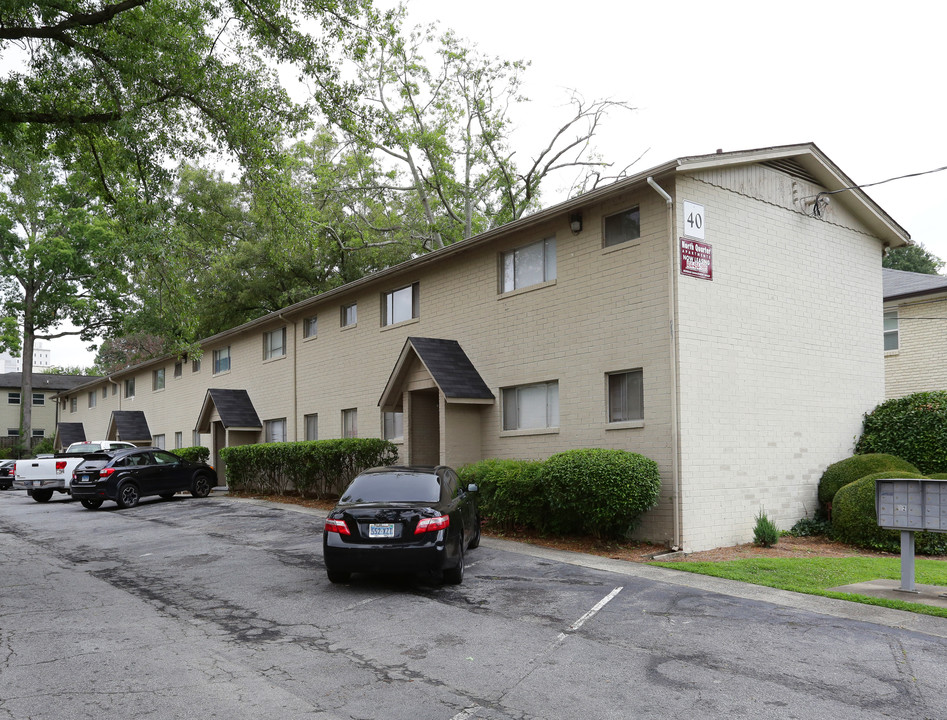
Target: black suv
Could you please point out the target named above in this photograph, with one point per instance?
(128, 474)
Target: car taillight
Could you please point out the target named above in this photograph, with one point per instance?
(337, 526)
(432, 524)
(60, 465)
(105, 472)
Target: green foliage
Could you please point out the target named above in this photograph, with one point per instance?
(913, 258)
(512, 493)
(913, 428)
(46, 446)
(195, 453)
(855, 521)
(317, 468)
(765, 532)
(599, 492)
(811, 527)
(840, 474)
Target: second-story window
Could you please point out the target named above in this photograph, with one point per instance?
(222, 360)
(529, 265)
(400, 305)
(274, 344)
(157, 379)
(349, 315)
(891, 330)
(93, 397)
(622, 227)
(311, 327)
(130, 388)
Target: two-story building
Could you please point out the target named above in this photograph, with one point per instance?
(714, 313)
(45, 410)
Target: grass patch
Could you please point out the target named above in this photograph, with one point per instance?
(813, 576)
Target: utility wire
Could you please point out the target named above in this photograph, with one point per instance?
(817, 206)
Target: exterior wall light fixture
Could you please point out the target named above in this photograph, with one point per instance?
(575, 222)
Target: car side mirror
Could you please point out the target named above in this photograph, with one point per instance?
(472, 488)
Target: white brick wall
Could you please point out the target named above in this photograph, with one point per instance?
(920, 362)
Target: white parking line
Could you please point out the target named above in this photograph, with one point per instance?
(591, 613)
(466, 713)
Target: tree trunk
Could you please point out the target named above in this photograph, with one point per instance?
(26, 382)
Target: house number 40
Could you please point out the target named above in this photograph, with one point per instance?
(693, 220)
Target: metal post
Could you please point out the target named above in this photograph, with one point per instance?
(907, 562)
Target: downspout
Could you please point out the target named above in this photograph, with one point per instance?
(295, 393)
(109, 378)
(675, 422)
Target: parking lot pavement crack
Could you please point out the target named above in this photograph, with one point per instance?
(905, 679)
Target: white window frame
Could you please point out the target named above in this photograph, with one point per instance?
(392, 424)
(624, 392)
(13, 432)
(620, 239)
(38, 432)
(13, 398)
(158, 379)
(178, 440)
(311, 422)
(178, 369)
(195, 365)
(158, 441)
(129, 388)
(274, 344)
(895, 332)
(274, 430)
(93, 399)
(311, 327)
(512, 279)
(516, 416)
(39, 400)
(350, 423)
(219, 357)
(73, 404)
(400, 305)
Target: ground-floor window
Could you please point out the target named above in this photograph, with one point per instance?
(350, 423)
(528, 407)
(158, 441)
(312, 426)
(394, 426)
(625, 396)
(275, 430)
(178, 440)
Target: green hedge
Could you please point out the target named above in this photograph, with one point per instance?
(511, 492)
(855, 521)
(589, 492)
(840, 474)
(195, 453)
(316, 468)
(913, 428)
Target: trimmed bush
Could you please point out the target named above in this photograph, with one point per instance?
(855, 521)
(195, 453)
(599, 492)
(840, 474)
(316, 468)
(913, 428)
(765, 533)
(512, 493)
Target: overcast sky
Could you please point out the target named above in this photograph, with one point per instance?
(862, 80)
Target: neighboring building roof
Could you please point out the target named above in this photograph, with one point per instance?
(69, 433)
(42, 381)
(450, 368)
(130, 426)
(234, 407)
(804, 160)
(900, 284)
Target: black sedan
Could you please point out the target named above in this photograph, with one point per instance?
(402, 519)
(6, 474)
(129, 474)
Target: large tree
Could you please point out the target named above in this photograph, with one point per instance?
(59, 258)
(913, 258)
(440, 112)
(126, 86)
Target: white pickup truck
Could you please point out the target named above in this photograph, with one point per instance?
(41, 476)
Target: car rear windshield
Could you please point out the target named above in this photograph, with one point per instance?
(393, 487)
(83, 448)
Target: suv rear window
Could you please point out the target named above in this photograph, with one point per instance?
(393, 487)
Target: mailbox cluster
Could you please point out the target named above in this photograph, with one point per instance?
(919, 504)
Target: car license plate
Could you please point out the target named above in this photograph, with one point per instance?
(84, 478)
(381, 530)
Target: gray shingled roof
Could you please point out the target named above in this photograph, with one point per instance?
(71, 432)
(901, 284)
(450, 368)
(130, 426)
(49, 383)
(235, 408)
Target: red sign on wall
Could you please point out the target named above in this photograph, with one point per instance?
(697, 259)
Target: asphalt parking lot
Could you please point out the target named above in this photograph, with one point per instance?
(220, 608)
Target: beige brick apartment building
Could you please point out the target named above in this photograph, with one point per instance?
(711, 313)
(915, 322)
